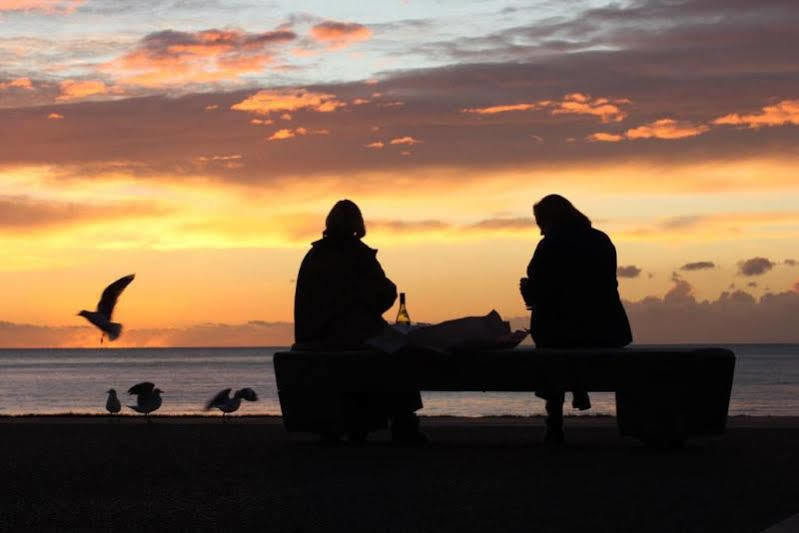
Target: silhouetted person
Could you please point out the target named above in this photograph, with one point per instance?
(342, 293)
(572, 290)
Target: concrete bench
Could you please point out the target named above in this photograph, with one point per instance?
(661, 395)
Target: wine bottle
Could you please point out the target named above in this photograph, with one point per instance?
(402, 315)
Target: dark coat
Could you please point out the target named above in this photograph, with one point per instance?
(341, 295)
(573, 291)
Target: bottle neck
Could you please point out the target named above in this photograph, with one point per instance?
(402, 298)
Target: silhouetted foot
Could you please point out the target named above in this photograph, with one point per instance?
(581, 401)
(554, 438)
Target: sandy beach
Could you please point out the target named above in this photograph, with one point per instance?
(488, 474)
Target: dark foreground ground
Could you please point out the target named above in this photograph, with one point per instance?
(477, 475)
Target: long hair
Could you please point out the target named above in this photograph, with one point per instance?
(344, 221)
(555, 211)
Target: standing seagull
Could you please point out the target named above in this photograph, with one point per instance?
(226, 404)
(112, 405)
(148, 398)
(105, 308)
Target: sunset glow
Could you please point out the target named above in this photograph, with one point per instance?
(204, 156)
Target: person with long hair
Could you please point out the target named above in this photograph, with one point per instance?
(572, 291)
(341, 295)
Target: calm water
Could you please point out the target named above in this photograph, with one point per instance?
(62, 381)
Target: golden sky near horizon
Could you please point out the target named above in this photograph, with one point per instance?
(204, 157)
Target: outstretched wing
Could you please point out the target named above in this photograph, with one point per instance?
(109, 298)
(221, 397)
(144, 387)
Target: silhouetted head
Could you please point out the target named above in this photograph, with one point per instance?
(554, 211)
(157, 391)
(344, 221)
(83, 313)
(111, 391)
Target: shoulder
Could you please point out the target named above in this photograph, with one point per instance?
(544, 247)
(318, 251)
(600, 236)
(364, 249)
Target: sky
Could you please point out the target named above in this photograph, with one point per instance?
(200, 145)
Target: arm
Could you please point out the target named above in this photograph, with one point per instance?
(375, 289)
(530, 287)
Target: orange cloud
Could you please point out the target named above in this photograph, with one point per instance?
(605, 137)
(410, 141)
(279, 135)
(287, 133)
(785, 112)
(212, 107)
(219, 157)
(19, 83)
(171, 57)
(666, 129)
(261, 122)
(583, 104)
(340, 34)
(72, 89)
(268, 101)
(377, 145)
(26, 213)
(48, 6)
(492, 110)
(574, 103)
(55, 116)
(230, 162)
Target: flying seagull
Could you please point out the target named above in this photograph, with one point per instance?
(105, 308)
(226, 404)
(112, 405)
(148, 398)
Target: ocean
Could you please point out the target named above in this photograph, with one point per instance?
(54, 381)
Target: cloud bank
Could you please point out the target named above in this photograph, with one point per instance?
(734, 317)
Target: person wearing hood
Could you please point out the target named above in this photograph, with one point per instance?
(572, 291)
(341, 295)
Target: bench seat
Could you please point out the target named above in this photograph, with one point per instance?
(660, 394)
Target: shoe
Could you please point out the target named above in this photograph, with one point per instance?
(581, 401)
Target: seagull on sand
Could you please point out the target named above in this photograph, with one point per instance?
(112, 405)
(105, 308)
(148, 398)
(226, 404)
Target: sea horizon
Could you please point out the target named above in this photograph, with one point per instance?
(51, 381)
